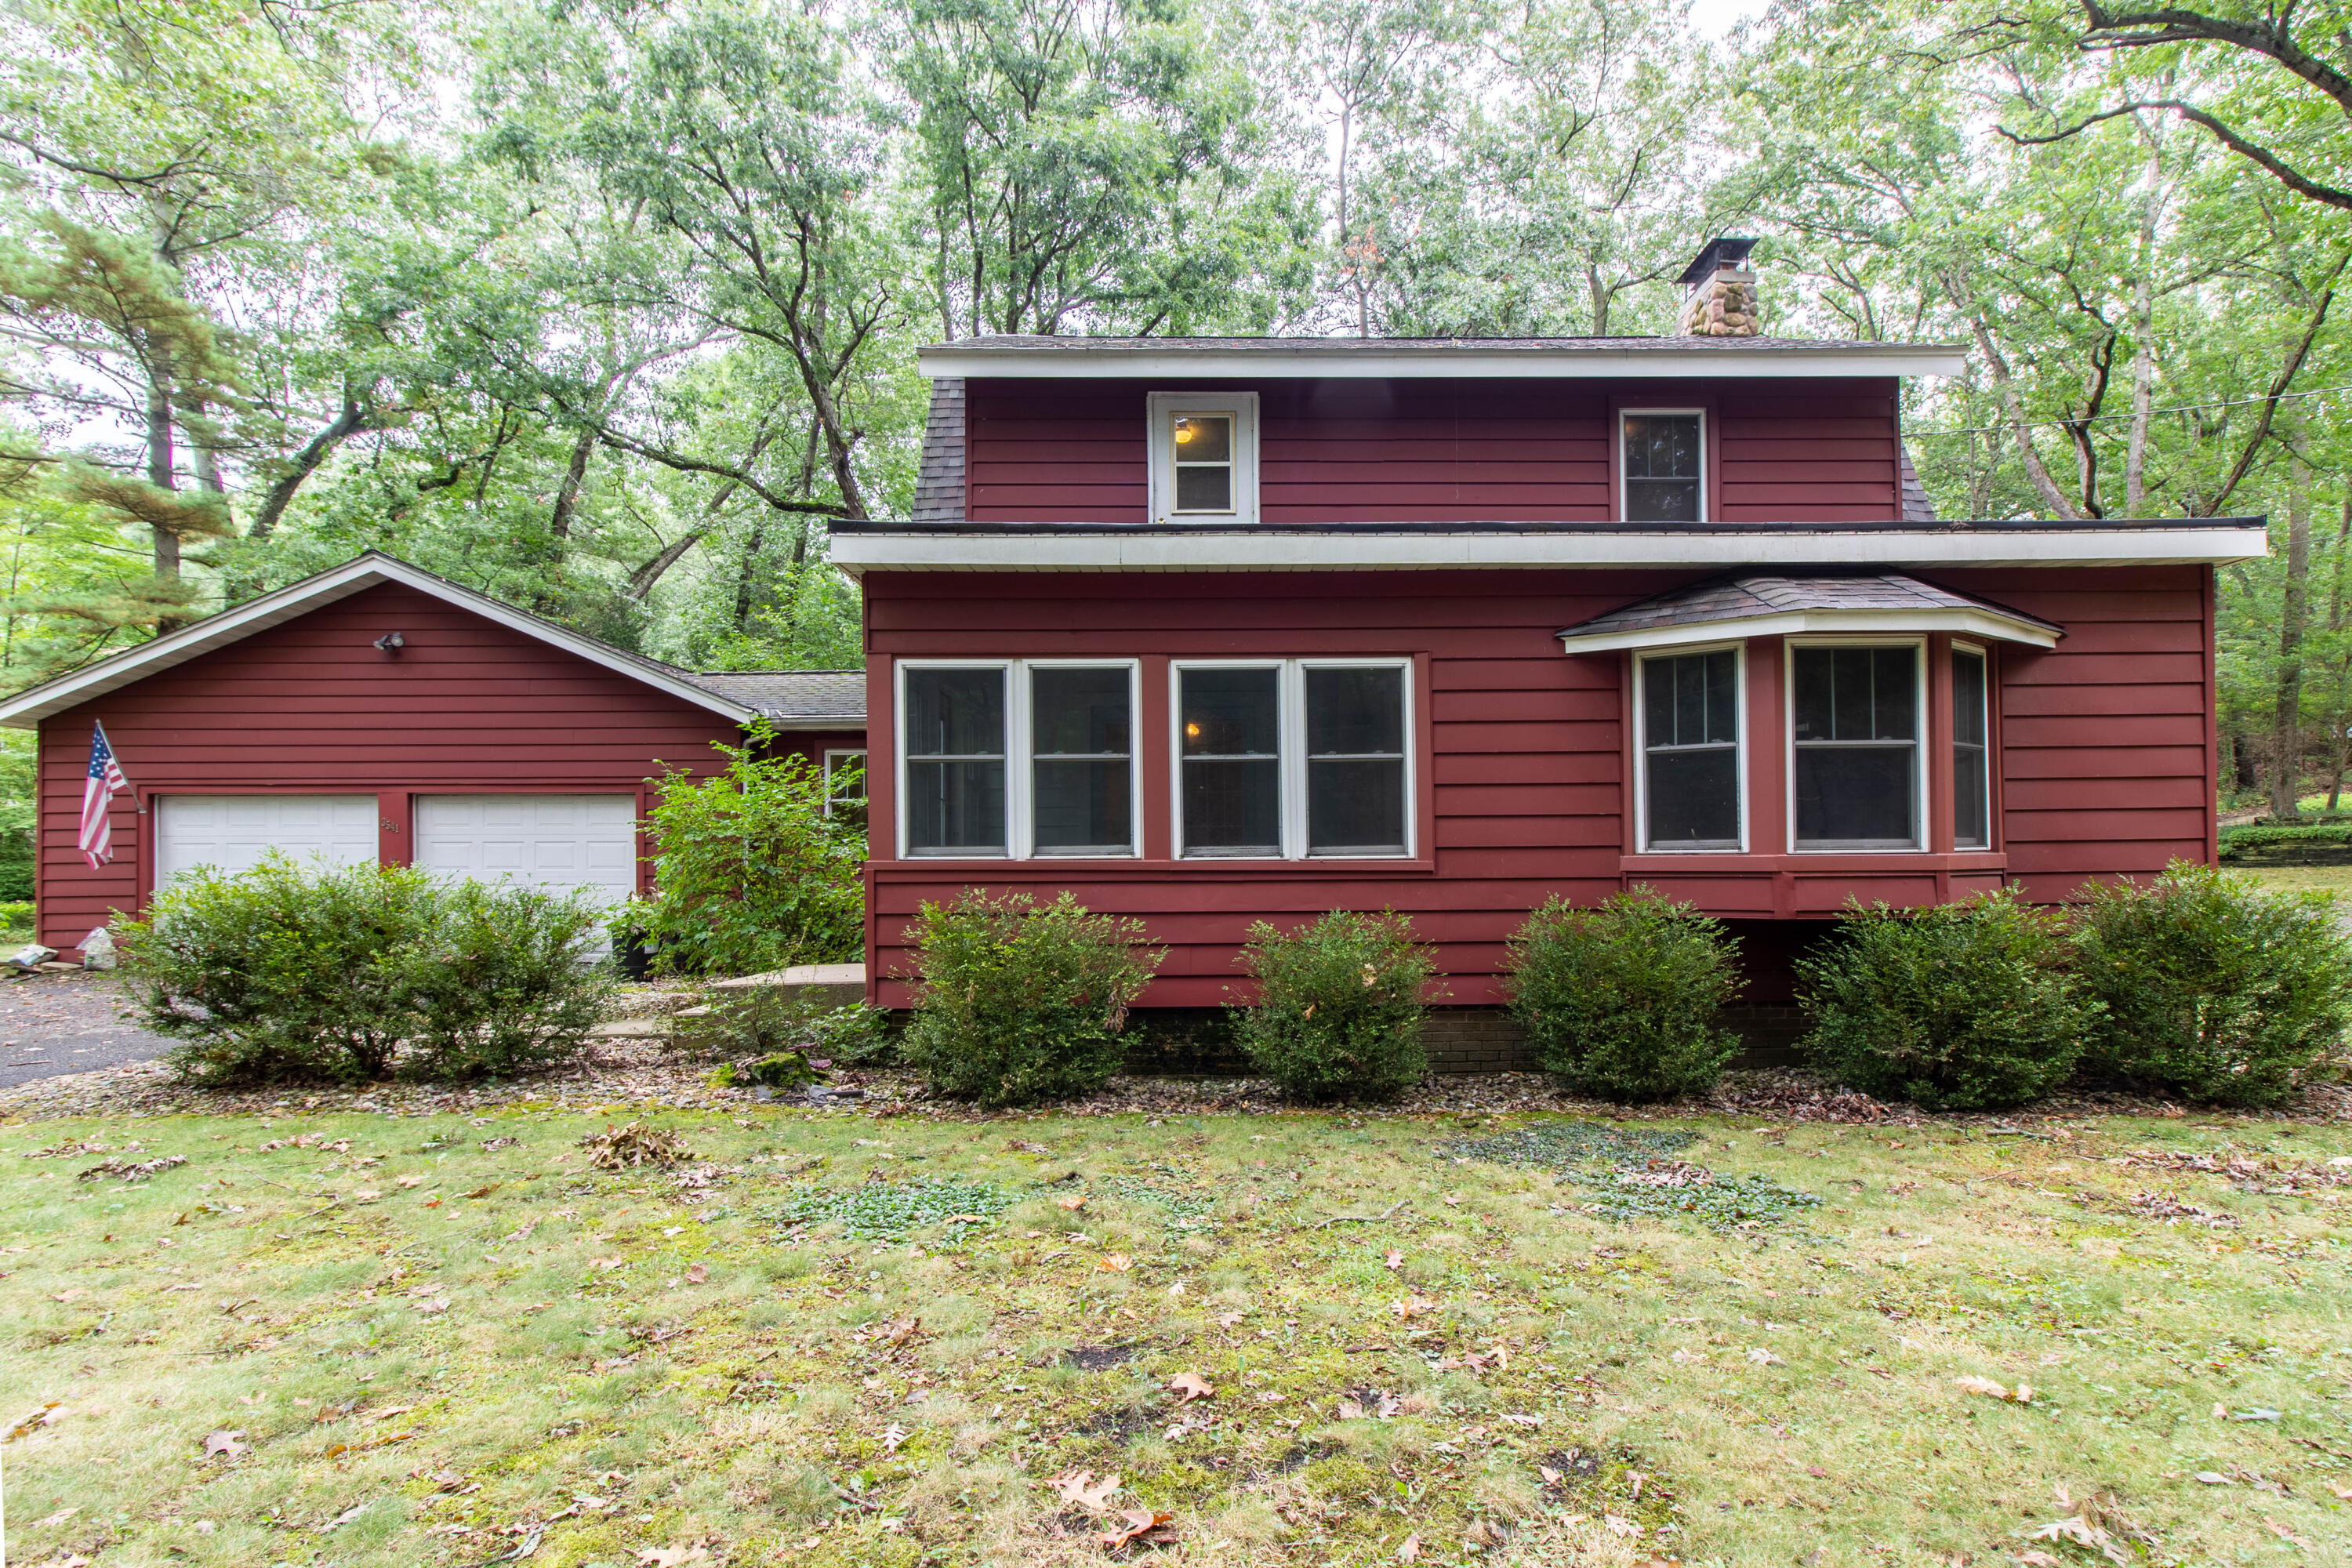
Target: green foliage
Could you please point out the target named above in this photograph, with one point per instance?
(752, 875)
(760, 1021)
(1963, 1006)
(1622, 1000)
(2215, 987)
(18, 812)
(1019, 1004)
(1630, 1173)
(2267, 838)
(1339, 1005)
(886, 1211)
(288, 971)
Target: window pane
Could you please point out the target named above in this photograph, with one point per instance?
(1083, 807)
(1204, 489)
(955, 712)
(1661, 500)
(1353, 712)
(1203, 438)
(1233, 807)
(1812, 693)
(1854, 795)
(1231, 712)
(1969, 698)
(1694, 797)
(1355, 808)
(1849, 698)
(1857, 693)
(955, 807)
(1894, 693)
(1972, 786)
(1662, 452)
(1078, 713)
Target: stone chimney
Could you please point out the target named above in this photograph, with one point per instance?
(1719, 292)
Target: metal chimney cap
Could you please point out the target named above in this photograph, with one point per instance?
(1730, 247)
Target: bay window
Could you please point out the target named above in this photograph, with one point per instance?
(1293, 759)
(1854, 733)
(1018, 758)
(1687, 720)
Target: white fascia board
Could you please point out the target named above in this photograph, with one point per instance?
(1802, 623)
(1555, 365)
(1179, 549)
(28, 707)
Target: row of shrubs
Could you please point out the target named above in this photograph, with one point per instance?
(2200, 985)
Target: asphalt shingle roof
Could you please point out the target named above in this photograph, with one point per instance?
(1745, 598)
(801, 694)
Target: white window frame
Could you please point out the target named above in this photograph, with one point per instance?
(1739, 650)
(1705, 490)
(1159, 407)
(1290, 688)
(1020, 763)
(1922, 771)
(832, 752)
(1984, 654)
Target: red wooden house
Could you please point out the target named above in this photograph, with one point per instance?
(1210, 631)
(379, 712)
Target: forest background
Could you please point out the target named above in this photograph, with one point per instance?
(609, 307)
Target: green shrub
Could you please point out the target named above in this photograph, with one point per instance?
(2214, 987)
(761, 1021)
(752, 875)
(1016, 1004)
(2241, 842)
(1961, 1006)
(290, 972)
(1339, 1005)
(1622, 1000)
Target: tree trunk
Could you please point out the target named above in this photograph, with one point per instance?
(567, 494)
(2287, 770)
(160, 469)
(2143, 389)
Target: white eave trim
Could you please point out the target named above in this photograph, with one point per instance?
(1179, 549)
(30, 707)
(1556, 365)
(1975, 623)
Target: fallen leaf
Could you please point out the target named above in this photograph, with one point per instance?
(225, 1443)
(1079, 1489)
(49, 1415)
(1133, 1524)
(2343, 1493)
(1972, 1383)
(2285, 1534)
(410, 1181)
(1616, 1526)
(1395, 1259)
(670, 1556)
(1550, 1476)
(1188, 1387)
(1350, 1411)
(1114, 1263)
(1074, 1201)
(2039, 1559)
(438, 1304)
(1687, 1358)
(1411, 1551)
(74, 1293)
(696, 1273)
(1412, 1307)
(55, 1519)
(1765, 1358)
(893, 1435)
(2214, 1478)
(434, 1201)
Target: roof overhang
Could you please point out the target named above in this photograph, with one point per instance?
(1373, 547)
(1313, 359)
(1985, 622)
(28, 707)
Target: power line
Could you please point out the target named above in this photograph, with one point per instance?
(2104, 418)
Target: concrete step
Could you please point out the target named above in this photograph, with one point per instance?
(832, 985)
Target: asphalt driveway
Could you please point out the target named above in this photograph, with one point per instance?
(62, 1022)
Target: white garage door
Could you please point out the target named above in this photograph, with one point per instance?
(233, 832)
(555, 841)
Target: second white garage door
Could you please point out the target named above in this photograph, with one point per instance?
(554, 841)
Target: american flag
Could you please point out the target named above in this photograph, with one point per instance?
(97, 792)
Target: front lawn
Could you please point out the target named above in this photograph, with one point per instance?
(848, 1339)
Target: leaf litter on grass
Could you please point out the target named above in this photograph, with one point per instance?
(1631, 1172)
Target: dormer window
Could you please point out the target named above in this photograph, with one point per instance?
(1662, 477)
(1203, 457)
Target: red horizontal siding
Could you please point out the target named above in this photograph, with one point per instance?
(1437, 451)
(2105, 758)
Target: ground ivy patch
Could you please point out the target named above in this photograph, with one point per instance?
(886, 1211)
(1631, 1172)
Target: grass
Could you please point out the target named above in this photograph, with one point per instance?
(851, 1341)
(2335, 879)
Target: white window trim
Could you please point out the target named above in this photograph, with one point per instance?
(1921, 772)
(1986, 655)
(1020, 764)
(1705, 490)
(1159, 408)
(1290, 687)
(831, 752)
(1642, 750)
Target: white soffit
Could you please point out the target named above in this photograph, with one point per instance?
(1801, 623)
(1308, 361)
(30, 707)
(1182, 549)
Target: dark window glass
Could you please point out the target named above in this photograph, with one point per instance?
(954, 743)
(1078, 741)
(1355, 761)
(1857, 736)
(1690, 739)
(1662, 452)
(1202, 449)
(1231, 722)
(1971, 779)
(845, 785)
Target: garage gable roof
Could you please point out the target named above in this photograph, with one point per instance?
(368, 571)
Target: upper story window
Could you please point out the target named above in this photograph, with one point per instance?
(1294, 759)
(1971, 751)
(1854, 730)
(1018, 758)
(1689, 726)
(1662, 455)
(1204, 449)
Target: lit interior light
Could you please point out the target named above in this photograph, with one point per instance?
(1183, 431)
(1193, 731)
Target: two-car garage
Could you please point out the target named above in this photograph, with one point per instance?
(378, 712)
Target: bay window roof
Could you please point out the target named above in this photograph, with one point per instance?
(1781, 605)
